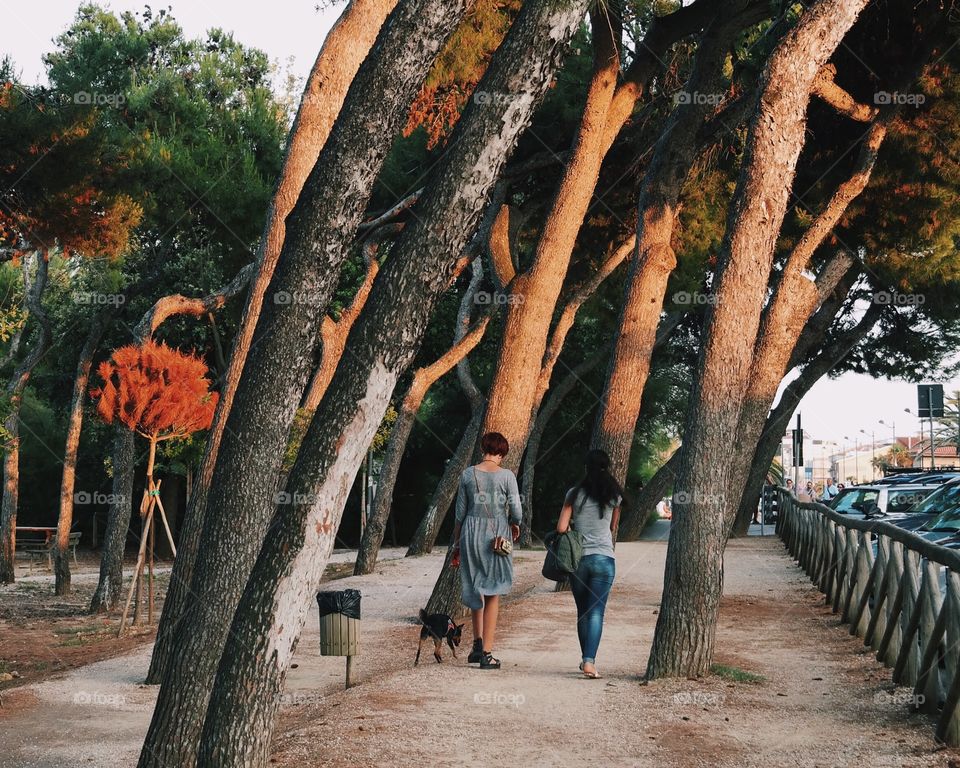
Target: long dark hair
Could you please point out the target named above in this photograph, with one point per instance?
(597, 481)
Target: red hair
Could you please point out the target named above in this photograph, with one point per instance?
(494, 444)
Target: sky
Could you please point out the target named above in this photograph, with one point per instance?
(293, 30)
(281, 28)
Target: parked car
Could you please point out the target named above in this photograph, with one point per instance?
(937, 517)
(882, 500)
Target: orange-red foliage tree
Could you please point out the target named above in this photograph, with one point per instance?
(161, 394)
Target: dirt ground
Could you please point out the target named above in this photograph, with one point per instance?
(793, 688)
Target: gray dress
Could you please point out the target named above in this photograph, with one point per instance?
(487, 502)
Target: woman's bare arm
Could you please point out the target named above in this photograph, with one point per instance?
(563, 524)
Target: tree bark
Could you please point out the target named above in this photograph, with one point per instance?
(240, 499)
(333, 333)
(445, 597)
(778, 420)
(693, 580)
(343, 50)
(423, 379)
(513, 392)
(109, 590)
(33, 293)
(61, 553)
(654, 259)
(636, 516)
(272, 612)
(426, 534)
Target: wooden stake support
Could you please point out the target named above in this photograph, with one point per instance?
(149, 504)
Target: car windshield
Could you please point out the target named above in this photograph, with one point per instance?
(855, 499)
(945, 504)
(901, 501)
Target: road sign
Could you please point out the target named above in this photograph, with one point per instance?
(930, 401)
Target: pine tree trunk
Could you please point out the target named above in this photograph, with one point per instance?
(636, 516)
(445, 597)
(693, 581)
(654, 259)
(33, 294)
(427, 531)
(272, 612)
(109, 590)
(511, 399)
(344, 48)
(61, 553)
(240, 500)
(779, 418)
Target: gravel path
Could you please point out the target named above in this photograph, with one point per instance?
(822, 700)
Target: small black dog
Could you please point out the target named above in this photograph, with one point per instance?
(440, 627)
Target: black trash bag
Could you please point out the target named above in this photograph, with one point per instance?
(346, 601)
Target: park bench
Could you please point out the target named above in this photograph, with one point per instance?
(37, 548)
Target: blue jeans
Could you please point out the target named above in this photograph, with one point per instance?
(590, 586)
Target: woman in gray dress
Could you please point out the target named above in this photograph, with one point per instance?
(488, 507)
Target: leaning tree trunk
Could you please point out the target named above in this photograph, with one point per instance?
(423, 379)
(109, 590)
(430, 524)
(779, 419)
(683, 640)
(61, 552)
(271, 615)
(516, 374)
(654, 259)
(344, 48)
(796, 298)
(551, 405)
(33, 293)
(239, 503)
(639, 511)
(445, 597)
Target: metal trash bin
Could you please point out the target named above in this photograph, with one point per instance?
(340, 624)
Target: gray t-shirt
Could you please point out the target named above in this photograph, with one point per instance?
(586, 520)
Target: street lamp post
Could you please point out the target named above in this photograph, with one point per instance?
(873, 452)
(920, 448)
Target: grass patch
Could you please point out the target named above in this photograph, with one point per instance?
(736, 675)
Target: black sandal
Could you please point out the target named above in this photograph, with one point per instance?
(476, 655)
(488, 662)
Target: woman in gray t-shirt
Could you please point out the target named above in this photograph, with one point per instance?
(592, 508)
